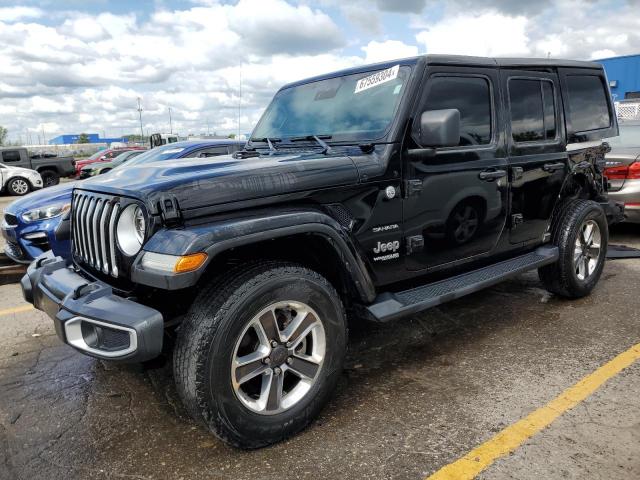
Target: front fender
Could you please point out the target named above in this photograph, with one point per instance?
(218, 237)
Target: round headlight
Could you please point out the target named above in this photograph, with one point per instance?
(131, 230)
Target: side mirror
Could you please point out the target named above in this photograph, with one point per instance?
(440, 128)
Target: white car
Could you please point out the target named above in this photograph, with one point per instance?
(19, 181)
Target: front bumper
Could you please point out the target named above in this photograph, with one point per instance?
(87, 314)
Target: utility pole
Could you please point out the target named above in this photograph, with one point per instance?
(44, 140)
(170, 123)
(239, 103)
(140, 116)
(208, 131)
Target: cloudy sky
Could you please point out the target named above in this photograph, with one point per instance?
(80, 65)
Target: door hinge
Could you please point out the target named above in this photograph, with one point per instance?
(516, 219)
(414, 244)
(412, 187)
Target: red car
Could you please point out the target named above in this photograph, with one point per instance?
(103, 156)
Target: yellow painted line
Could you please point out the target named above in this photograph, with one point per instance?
(10, 311)
(506, 441)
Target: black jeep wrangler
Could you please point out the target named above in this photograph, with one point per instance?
(377, 192)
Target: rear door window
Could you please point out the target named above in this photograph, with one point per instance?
(532, 108)
(588, 104)
(11, 156)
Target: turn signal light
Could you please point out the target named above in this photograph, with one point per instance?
(189, 263)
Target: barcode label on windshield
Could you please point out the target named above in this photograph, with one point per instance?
(377, 78)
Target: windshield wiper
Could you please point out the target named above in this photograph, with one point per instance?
(326, 148)
(270, 142)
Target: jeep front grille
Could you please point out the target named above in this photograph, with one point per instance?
(93, 221)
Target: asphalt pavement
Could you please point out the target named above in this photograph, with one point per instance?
(417, 395)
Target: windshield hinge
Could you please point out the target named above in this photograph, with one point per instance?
(169, 210)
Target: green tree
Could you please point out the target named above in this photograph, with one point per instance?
(83, 138)
(3, 135)
(232, 135)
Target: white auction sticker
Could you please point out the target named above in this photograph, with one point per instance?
(377, 78)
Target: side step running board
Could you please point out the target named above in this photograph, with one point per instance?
(389, 306)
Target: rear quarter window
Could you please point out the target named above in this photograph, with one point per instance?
(588, 103)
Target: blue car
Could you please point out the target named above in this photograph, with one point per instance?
(30, 223)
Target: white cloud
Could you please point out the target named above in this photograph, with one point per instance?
(74, 71)
(388, 50)
(489, 34)
(11, 14)
(274, 26)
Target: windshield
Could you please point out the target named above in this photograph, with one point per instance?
(351, 107)
(159, 153)
(629, 136)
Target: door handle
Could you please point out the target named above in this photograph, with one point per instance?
(552, 167)
(490, 175)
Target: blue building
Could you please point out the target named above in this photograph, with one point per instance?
(624, 76)
(73, 138)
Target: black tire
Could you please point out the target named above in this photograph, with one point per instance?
(49, 178)
(206, 344)
(104, 170)
(15, 186)
(561, 277)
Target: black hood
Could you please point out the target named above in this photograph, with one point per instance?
(202, 182)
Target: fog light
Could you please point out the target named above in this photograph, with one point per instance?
(100, 338)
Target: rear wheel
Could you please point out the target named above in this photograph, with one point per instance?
(580, 231)
(18, 186)
(49, 178)
(260, 353)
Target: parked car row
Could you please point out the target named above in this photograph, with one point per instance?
(30, 223)
(50, 168)
(103, 156)
(104, 166)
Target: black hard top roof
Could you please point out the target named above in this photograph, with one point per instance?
(458, 60)
(508, 62)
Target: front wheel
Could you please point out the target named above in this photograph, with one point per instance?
(18, 186)
(580, 232)
(260, 353)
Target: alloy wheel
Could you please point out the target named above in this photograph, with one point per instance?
(278, 357)
(586, 253)
(20, 187)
